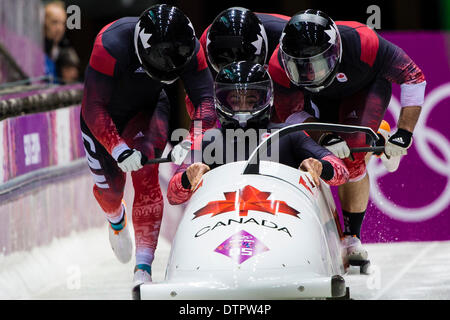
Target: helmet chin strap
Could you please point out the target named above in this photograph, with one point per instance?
(242, 119)
(156, 79)
(168, 82)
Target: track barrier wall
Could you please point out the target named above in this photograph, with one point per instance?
(45, 184)
(22, 37)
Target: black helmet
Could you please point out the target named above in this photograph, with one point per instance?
(311, 50)
(243, 95)
(236, 34)
(164, 40)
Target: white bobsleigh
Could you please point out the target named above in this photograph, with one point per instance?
(255, 232)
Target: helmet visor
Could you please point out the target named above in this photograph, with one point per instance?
(243, 98)
(228, 49)
(311, 71)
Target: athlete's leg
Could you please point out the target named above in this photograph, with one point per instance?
(366, 108)
(354, 195)
(108, 191)
(147, 212)
(148, 200)
(109, 179)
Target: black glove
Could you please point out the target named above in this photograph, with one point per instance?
(398, 143)
(381, 142)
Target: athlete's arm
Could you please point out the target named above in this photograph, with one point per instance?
(189, 174)
(185, 179)
(398, 67)
(179, 189)
(314, 167)
(409, 117)
(333, 171)
(195, 172)
(158, 128)
(287, 99)
(98, 88)
(199, 86)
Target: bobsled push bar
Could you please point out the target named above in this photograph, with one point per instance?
(177, 157)
(252, 168)
(252, 165)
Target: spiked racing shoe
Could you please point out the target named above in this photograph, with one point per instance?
(142, 274)
(356, 254)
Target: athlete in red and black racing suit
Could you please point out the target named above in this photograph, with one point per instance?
(125, 113)
(251, 108)
(346, 75)
(238, 34)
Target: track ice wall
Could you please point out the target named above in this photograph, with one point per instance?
(46, 186)
(41, 174)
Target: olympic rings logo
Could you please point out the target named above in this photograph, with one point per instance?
(423, 136)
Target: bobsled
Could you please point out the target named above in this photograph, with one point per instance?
(254, 230)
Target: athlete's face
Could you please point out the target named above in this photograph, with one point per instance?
(243, 100)
(312, 72)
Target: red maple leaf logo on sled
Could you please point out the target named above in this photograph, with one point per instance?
(249, 198)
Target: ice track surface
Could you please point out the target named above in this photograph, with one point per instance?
(83, 266)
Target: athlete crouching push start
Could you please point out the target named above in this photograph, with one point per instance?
(124, 118)
(346, 71)
(243, 101)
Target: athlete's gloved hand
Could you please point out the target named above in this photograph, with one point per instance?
(398, 143)
(335, 144)
(381, 142)
(130, 160)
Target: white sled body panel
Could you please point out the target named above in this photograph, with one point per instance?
(272, 235)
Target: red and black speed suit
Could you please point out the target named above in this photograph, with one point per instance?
(273, 25)
(124, 108)
(361, 91)
(292, 149)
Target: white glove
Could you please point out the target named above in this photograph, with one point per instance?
(390, 163)
(180, 151)
(336, 145)
(130, 160)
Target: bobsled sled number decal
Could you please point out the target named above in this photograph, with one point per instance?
(241, 247)
(248, 198)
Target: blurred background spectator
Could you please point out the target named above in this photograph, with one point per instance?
(54, 27)
(67, 66)
(60, 56)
